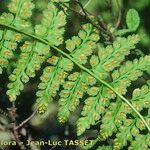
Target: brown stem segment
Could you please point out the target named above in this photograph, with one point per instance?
(26, 120)
(12, 113)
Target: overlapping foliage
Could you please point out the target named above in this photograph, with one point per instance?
(84, 72)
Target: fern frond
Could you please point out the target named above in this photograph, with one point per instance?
(76, 87)
(52, 25)
(100, 78)
(141, 101)
(124, 135)
(111, 56)
(140, 142)
(52, 78)
(129, 72)
(70, 101)
(93, 109)
(28, 63)
(20, 12)
(81, 47)
(95, 106)
(129, 127)
(21, 8)
(69, 96)
(51, 28)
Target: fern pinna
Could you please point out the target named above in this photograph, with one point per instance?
(101, 81)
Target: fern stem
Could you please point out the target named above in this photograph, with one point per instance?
(89, 1)
(81, 67)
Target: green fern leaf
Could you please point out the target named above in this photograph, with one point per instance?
(20, 12)
(52, 78)
(52, 27)
(75, 89)
(89, 72)
(132, 19)
(26, 66)
(131, 71)
(82, 46)
(117, 117)
(140, 142)
(95, 106)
